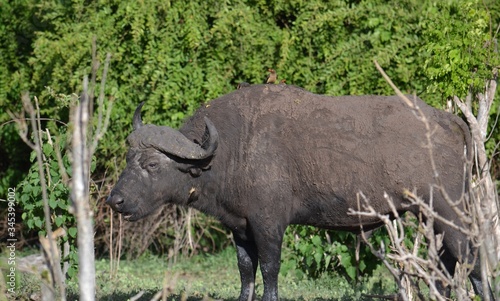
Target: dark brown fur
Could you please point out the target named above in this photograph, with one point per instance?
(287, 156)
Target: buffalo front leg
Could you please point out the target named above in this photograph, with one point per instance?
(269, 247)
(247, 264)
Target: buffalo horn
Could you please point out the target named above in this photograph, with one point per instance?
(187, 149)
(171, 141)
(213, 137)
(137, 121)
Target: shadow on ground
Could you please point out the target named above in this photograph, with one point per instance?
(148, 295)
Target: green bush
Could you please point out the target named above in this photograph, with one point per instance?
(177, 55)
(311, 252)
(460, 51)
(31, 198)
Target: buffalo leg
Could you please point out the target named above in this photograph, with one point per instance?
(247, 264)
(474, 276)
(269, 247)
(477, 283)
(452, 253)
(449, 263)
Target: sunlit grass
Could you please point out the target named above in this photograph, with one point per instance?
(206, 277)
(217, 277)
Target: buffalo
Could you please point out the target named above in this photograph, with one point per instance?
(266, 156)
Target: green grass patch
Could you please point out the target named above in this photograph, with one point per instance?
(214, 276)
(217, 277)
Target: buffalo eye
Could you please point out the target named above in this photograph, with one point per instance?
(152, 166)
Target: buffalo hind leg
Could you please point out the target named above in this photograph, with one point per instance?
(475, 275)
(449, 261)
(477, 282)
(247, 264)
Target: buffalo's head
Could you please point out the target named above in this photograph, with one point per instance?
(161, 165)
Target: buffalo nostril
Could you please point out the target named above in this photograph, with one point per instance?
(115, 201)
(119, 201)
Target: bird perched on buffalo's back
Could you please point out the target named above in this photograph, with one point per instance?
(271, 78)
(283, 82)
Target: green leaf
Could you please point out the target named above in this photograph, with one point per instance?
(316, 240)
(47, 149)
(24, 198)
(385, 36)
(72, 232)
(362, 265)
(328, 258)
(351, 272)
(93, 164)
(317, 258)
(36, 190)
(53, 202)
(59, 220)
(345, 260)
(63, 205)
(72, 272)
(32, 156)
(38, 222)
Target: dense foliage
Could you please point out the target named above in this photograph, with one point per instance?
(180, 54)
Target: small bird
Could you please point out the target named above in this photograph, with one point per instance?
(271, 78)
(242, 85)
(283, 82)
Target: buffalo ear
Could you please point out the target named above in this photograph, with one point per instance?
(195, 171)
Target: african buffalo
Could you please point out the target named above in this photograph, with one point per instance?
(267, 156)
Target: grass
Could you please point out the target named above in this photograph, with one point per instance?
(212, 277)
(217, 277)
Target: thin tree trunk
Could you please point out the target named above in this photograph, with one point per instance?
(485, 189)
(80, 198)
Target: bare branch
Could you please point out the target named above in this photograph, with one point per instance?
(36, 145)
(102, 125)
(393, 86)
(60, 162)
(80, 197)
